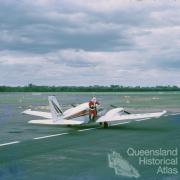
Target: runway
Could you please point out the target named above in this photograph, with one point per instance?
(47, 152)
(44, 137)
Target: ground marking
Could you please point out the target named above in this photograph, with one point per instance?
(81, 130)
(53, 135)
(175, 114)
(43, 137)
(14, 142)
(172, 114)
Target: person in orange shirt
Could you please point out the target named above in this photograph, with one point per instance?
(92, 108)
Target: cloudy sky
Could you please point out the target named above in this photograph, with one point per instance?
(88, 42)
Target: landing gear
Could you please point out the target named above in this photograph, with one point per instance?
(104, 124)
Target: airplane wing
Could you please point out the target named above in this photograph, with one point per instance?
(113, 116)
(51, 122)
(38, 113)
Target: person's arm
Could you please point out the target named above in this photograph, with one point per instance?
(97, 103)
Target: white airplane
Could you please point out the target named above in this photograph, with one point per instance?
(80, 115)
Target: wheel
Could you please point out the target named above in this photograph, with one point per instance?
(105, 125)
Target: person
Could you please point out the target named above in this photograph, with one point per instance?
(92, 108)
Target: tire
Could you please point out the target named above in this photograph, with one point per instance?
(105, 125)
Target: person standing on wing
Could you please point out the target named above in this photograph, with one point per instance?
(92, 108)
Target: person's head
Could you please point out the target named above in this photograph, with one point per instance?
(93, 99)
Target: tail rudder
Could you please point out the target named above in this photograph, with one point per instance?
(55, 108)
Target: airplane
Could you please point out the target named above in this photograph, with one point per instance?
(79, 115)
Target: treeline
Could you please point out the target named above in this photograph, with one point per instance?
(96, 88)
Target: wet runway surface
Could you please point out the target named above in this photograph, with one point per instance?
(53, 152)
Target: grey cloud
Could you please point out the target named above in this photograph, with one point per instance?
(95, 42)
(35, 31)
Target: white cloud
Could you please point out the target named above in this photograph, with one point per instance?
(103, 68)
(16, 58)
(9, 37)
(80, 42)
(71, 18)
(166, 17)
(101, 5)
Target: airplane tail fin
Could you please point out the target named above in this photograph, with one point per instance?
(55, 108)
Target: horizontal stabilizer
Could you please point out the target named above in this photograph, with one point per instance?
(38, 113)
(51, 122)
